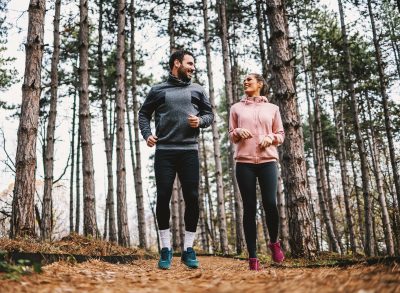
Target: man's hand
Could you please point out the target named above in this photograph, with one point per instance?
(244, 133)
(194, 121)
(266, 142)
(151, 140)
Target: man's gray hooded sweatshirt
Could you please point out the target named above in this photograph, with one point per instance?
(173, 101)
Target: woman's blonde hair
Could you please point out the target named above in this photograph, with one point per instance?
(260, 78)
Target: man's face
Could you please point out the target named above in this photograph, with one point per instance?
(186, 68)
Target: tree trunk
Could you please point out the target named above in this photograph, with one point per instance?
(152, 208)
(89, 202)
(310, 124)
(314, 217)
(78, 184)
(369, 245)
(207, 192)
(138, 170)
(383, 92)
(263, 220)
(293, 163)
(264, 60)
(171, 27)
(283, 221)
(318, 149)
(71, 180)
(23, 209)
(175, 216)
(47, 214)
(235, 197)
(229, 98)
(123, 230)
(202, 212)
(358, 201)
(110, 210)
(341, 151)
(387, 229)
(181, 204)
(214, 126)
(395, 207)
(394, 46)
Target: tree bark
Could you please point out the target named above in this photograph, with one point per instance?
(47, 213)
(341, 151)
(210, 204)
(71, 180)
(318, 149)
(181, 205)
(23, 209)
(358, 201)
(89, 202)
(283, 221)
(202, 211)
(138, 170)
(229, 98)
(376, 165)
(175, 216)
(110, 209)
(264, 60)
(78, 184)
(171, 26)
(216, 138)
(369, 244)
(122, 215)
(385, 98)
(293, 163)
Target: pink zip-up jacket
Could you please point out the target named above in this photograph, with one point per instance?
(262, 119)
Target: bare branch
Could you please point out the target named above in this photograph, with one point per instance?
(65, 170)
(5, 213)
(12, 168)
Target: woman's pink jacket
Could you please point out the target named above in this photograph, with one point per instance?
(262, 119)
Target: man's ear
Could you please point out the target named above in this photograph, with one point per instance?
(177, 63)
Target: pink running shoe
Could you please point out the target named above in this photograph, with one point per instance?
(277, 253)
(254, 264)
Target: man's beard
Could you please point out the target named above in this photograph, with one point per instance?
(182, 75)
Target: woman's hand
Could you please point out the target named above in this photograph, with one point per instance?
(244, 133)
(266, 142)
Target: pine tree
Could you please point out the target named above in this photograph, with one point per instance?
(23, 213)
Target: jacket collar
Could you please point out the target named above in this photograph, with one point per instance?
(178, 82)
(257, 100)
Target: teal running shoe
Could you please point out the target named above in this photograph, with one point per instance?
(189, 258)
(165, 259)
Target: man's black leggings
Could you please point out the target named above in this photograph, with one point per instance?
(267, 175)
(167, 164)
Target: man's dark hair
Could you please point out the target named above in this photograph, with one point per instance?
(178, 55)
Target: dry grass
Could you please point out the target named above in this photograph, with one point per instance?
(215, 275)
(72, 244)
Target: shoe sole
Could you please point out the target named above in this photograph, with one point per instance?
(164, 269)
(161, 268)
(191, 267)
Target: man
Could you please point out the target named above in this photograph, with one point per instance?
(180, 108)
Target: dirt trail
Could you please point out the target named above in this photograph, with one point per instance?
(215, 275)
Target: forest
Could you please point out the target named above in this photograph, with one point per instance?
(79, 165)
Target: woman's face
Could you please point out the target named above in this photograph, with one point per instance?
(251, 86)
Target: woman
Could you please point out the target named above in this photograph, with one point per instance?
(255, 127)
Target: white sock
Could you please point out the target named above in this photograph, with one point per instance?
(189, 239)
(165, 238)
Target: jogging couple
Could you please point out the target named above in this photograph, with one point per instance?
(255, 127)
